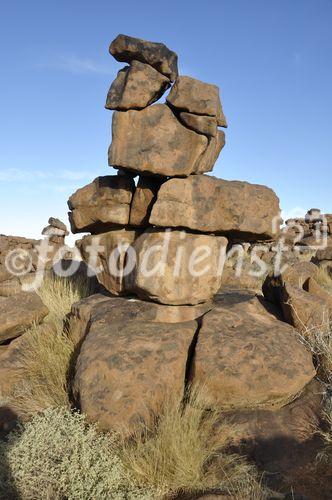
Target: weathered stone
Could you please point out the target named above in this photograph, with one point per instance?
(206, 125)
(53, 231)
(136, 87)
(126, 49)
(126, 368)
(106, 309)
(208, 204)
(295, 275)
(323, 254)
(19, 312)
(106, 254)
(154, 141)
(58, 224)
(210, 155)
(315, 289)
(303, 310)
(101, 205)
(144, 197)
(195, 96)
(246, 357)
(175, 267)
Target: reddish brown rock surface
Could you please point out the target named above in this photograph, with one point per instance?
(175, 267)
(136, 87)
(154, 141)
(247, 358)
(19, 312)
(126, 49)
(208, 204)
(103, 204)
(125, 370)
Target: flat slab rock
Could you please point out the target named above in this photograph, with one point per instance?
(19, 312)
(136, 87)
(127, 48)
(247, 357)
(154, 141)
(208, 204)
(102, 204)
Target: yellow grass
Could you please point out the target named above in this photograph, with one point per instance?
(324, 279)
(186, 450)
(48, 350)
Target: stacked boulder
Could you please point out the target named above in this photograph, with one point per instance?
(155, 238)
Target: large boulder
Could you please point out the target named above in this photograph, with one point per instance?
(18, 313)
(206, 125)
(126, 368)
(101, 205)
(135, 87)
(144, 197)
(246, 357)
(208, 204)
(127, 49)
(175, 267)
(197, 97)
(106, 255)
(153, 141)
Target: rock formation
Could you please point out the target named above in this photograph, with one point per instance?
(161, 245)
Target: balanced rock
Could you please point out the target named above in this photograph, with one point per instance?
(18, 313)
(54, 222)
(175, 267)
(154, 141)
(208, 204)
(136, 87)
(127, 49)
(103, 204)
(126, 368)
(107, 255)
(246, 357)
(194, 96)
(144, 197)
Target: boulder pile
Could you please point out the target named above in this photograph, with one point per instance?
(160, 329)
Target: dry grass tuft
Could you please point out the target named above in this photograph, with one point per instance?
(48, 350)
(324, 279)
(326, 435)
(318, 340)
(186, 451)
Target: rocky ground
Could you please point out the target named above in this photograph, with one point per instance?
(193, 322)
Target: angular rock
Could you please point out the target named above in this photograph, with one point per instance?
(136, 87)
(323, 254)
(194, 96)
(210, 155)
(108, 310)
(107, 255)
(208, 204)
(19, 312)
(177, 268)
(296, 275)
(125, 369)
(126, 49)
(144, 197)
(246, 357)
(58, 224)
(101, 205)
(304, 311)
(153, 141)
(206, 125)
(53, 231)
(315, 289)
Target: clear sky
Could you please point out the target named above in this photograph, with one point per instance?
(271, 59)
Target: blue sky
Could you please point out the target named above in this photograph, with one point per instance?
(271, 59)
